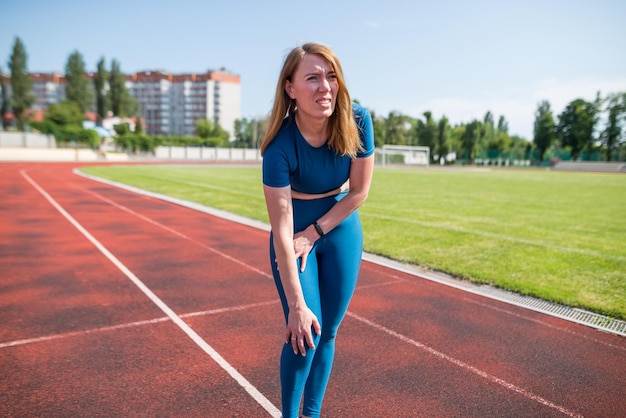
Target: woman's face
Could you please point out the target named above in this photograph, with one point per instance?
(314, 87)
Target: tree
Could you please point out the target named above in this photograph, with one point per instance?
(259, 131)
(495, 139)
(379, 129)
(248, 133)
(99, 83)
(576, 125)
(22, 96)
(4, 102)
(502, 141)
(77, 89)
(613, 136)
(116, 88)
(519, 148)
(427, 133)
(245, 133)
(441, 146)
(396, 129)
(121, 129)
(64, 114)
(488, 134)
(211, 133)
(138, 126)
(503, 125)
(204, 128)
(456, 132)
(122, 103)
(544, 131)
(470, 138)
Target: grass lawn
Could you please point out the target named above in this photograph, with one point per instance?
(554, 235)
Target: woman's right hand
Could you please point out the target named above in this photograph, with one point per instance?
(300, 324)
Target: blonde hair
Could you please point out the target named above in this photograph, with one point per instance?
(344, 135)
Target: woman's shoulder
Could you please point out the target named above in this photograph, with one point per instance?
(364, 124)
(362, 116)
(283, 139)
(284, 132)
(359, 111)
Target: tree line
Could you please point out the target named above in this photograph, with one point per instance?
(583, 130)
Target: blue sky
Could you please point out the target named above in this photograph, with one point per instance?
(454, 58)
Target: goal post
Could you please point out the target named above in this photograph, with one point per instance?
(405, 155)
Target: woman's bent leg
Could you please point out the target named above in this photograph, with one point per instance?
(339, 260)
(295, 368)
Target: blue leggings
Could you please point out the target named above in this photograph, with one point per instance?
(328, 283)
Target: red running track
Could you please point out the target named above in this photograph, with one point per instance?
(118, 304)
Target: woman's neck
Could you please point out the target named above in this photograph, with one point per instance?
(314, 131)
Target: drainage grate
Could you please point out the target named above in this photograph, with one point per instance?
(605, 323)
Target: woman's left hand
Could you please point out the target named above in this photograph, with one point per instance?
(302, 246)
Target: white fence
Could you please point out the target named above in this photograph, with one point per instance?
(26, 140)
(595, 166)
(12, 154)
(24, 146)
(207, 154)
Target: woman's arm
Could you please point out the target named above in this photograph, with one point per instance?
(300, 319)
(361, 173)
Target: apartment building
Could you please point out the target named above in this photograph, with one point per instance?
(169, 104)
(48, 88)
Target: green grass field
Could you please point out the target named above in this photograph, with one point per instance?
(554, 235)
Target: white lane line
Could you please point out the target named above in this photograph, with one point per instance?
(134, 324)
(465, 366)
(175, 232)
(242, 381)
(373, 285)
(81, 333)
(230, 309)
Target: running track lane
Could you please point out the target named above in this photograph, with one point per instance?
(80, 336)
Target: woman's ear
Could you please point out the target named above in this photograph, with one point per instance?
(289, 89)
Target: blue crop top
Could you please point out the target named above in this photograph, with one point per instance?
(290, 160)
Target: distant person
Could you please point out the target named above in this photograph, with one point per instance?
(318, 161)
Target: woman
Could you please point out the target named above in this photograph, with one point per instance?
(317, 143)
